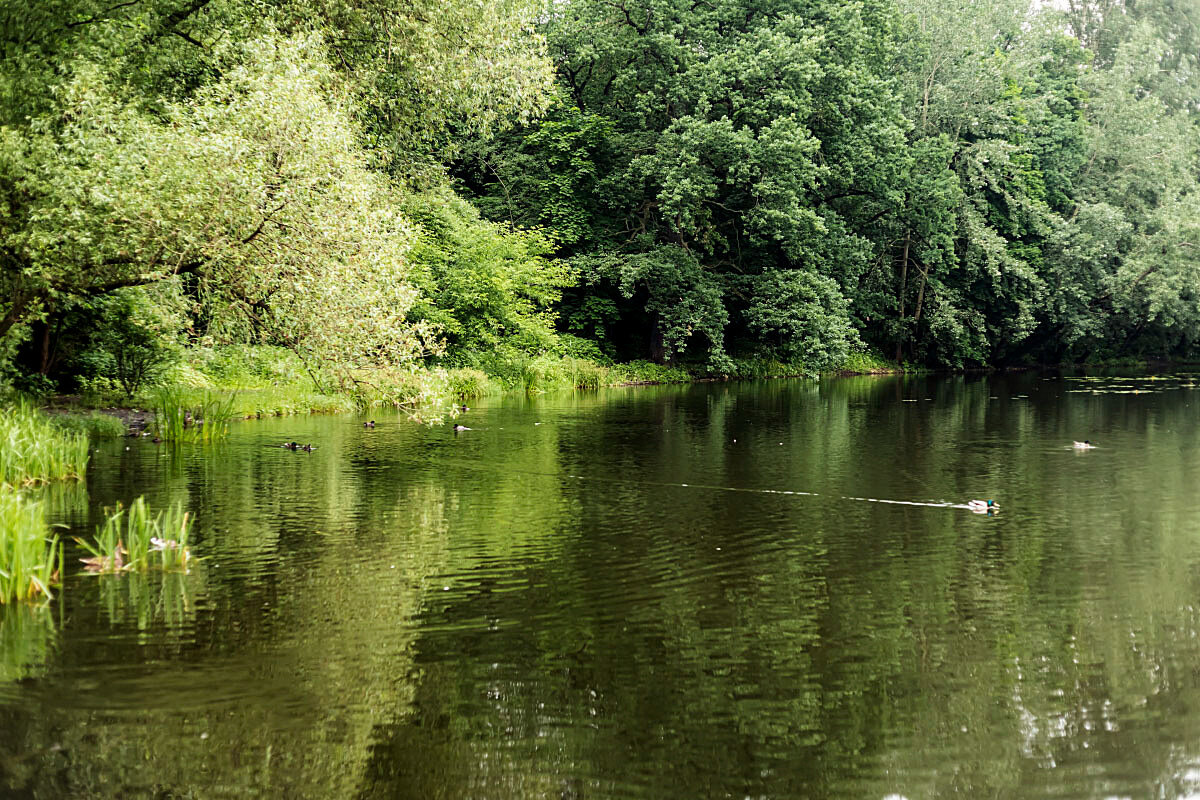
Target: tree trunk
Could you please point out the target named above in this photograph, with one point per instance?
(900, 296)
(657, 349)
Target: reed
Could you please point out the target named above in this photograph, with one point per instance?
(182, 415)
(30, 557)
(133, 540)
(470, 384)
(34, 450)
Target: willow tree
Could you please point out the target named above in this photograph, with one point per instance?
(256, 186)
(237, 142)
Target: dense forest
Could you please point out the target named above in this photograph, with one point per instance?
(374, 185)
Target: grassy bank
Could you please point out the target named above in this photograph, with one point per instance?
(34, 449)
(255, 382)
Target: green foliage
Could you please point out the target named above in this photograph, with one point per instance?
(93, 423)
(35, 450)
(697, 184)
(468, 384)
(180, 415)
(683, 299)
(804, 316)
(30, 558)
(636, 372)
(131, 540)
(426, 69)
(866, 363)
(946, 167)
(134, 336)
(245, 366)
(482, 284)
(723, 127)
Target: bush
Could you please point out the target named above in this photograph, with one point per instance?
(803, 317)
(134, 338)
(484, 285)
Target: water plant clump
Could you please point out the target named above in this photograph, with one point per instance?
(35, 450)
(30, 557)
(133, 540)
(181, 415)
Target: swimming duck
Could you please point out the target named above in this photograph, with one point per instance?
(370, 424)
(113, 563)
(290, 445)
(464, 408)
(981, 506)
(461, 428)
(308, 448)
(1084, 445)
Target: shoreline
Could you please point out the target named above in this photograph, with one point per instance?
(137, 419)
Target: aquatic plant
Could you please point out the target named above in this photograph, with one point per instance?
(182, 415)
(133, 540)
(469, 384)
(34, 450)
(30, 557)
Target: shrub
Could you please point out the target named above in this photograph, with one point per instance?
(135, 335)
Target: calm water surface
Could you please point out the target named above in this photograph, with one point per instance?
(613, 595)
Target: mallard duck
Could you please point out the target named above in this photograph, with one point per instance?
(308, 448)
(290, 445)
(370, 424)
(113, 563)
(458, 428)
(980, 506)
(1084, 445)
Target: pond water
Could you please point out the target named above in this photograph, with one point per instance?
(644, 593)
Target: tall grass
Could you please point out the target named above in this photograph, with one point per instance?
(30, 557)
(867, 362)
(470, 384)
(94, 424)
(34, 450)
(182, 415)
(647, 372)
(133, 540)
